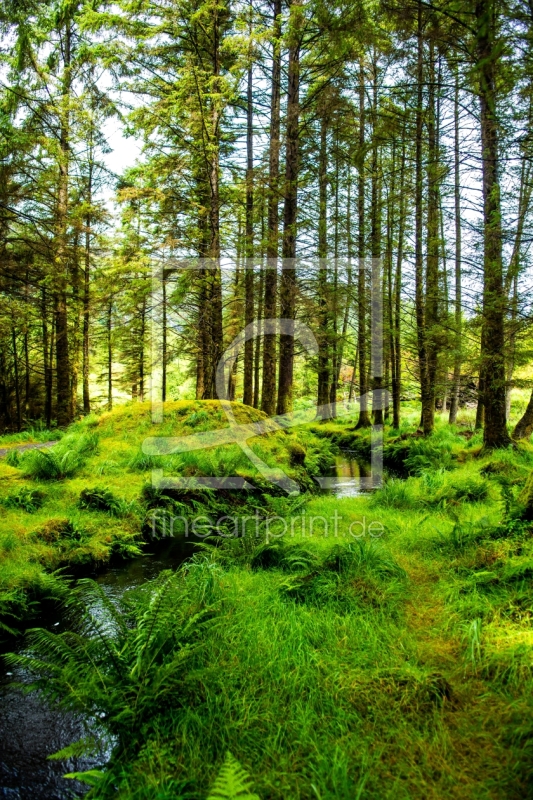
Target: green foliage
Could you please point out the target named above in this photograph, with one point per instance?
(232, 782)
(127, 662)
(50, 466)
(99, 499)
(13, 458)
(26, 499)
(395, 493)
(62, 461)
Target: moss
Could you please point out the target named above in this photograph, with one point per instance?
(526, 499)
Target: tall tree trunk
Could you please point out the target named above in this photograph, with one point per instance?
(16, 375)
(164, 338)
(397, 374)
(268, 395)
(364, 417)
(335, 363)
(457, 362)
(110, 355)
(376, 212)
(426, 419)
(257, 355)
(323, 385)
(63, 387)
(86, 312)
(288, 276)
(432, 258)
(249, 267)
(494, 301)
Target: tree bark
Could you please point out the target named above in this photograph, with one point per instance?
(457, 362)
(492, 340)
(524, 427)
(323, 384)
(268, 395)
(288, 276)
(249, 271)
(364, 417)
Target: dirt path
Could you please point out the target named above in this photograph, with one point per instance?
(21, 447)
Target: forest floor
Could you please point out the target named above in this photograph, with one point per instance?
(382, 648)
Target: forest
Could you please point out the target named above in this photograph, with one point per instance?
(266, 399)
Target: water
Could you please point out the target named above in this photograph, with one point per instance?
(30, 729)
(350, 476)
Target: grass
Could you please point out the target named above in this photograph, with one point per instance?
(94, 481)
(333, 661)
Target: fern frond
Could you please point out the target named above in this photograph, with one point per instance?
(232, 782)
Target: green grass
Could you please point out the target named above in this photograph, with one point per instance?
(95, 479)
(351, 661)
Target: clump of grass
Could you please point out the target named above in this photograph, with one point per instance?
(395, 493)
(141, 462)
(26, 499)
(292, 558)
(57, 528)
(49, 466)
(350, 575)
(13, 458)
(462, 489)
(62, 461)
(100, 499)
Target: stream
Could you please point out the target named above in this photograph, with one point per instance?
(31, 729)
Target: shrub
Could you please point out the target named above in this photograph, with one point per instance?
(129, 659)
(99, 499)
(395, 493)
(27, 499)
(43, 465)
(349, 575)
(141, 462)
(13, 458)
(291, 559)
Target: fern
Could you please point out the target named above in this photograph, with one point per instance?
(232, 782)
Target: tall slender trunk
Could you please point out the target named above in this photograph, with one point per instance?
(257, 355)
(375, 234)
(248, 392)
(323, 385)
(364, 417)
(494, 301)
(16, 375)
(457, 362)
(288, 276)
(432, 257)
(268, 395)
(347, 307)
(86, 312)
(110, 355)
(335, 363)
(213, 341)
(397, 374)
(47, 366)
(164, 339)
(63, 387)
(419, 265)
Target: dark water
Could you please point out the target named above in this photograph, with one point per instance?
(30, 730)
(349, 476)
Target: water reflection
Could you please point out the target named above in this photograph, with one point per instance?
(350, 476)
